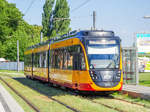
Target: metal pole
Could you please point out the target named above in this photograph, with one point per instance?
(41, 37)
(94, 19)
(137, 69)
(18, 55)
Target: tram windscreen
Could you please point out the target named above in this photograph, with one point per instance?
(103, 54)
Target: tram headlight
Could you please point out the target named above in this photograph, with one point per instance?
(118, 76)
(92, 74)
(119, 73)
(95, 76)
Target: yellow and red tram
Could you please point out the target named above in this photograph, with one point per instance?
(84, 61)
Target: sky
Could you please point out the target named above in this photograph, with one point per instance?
(124, 17)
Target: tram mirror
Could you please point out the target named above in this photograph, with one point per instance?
(91, 66)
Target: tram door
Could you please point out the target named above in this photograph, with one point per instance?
(76, 68)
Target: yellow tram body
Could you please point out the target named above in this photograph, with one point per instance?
(75, 79)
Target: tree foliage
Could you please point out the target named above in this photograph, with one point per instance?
(60, 15)
(9, 19)
(47, 9)
(13, 28)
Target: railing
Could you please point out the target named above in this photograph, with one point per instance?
(11, 66)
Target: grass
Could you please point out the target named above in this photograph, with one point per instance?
(144, 79)
(131, 99)
(11, 71)
(127, 107)
(18, 99)
(36, 97)
(38, 94)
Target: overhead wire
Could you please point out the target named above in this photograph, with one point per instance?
(30, 5)
(81, 5)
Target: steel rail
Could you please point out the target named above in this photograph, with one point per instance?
(109, 97)
(22, 97)
(108, 106)
(111, 107)
(131, 102)
(65, 105)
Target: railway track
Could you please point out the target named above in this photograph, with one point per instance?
(36, 109)
(114, 98)
(74, 110)
(106, 105)
(108, 97)
(131, 102)
(91, 100)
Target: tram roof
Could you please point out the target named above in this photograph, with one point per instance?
(79, 34)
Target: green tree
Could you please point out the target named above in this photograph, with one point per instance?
(9, 19)
(13, 28)
(60, 23)
(47, 12)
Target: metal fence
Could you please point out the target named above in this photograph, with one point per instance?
(11, 66)
(130, 65)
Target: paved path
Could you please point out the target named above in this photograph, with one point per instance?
(137, 91)
(7, 102)
(2, 108)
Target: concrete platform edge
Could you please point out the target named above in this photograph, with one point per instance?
(11, 102)
(136, 95)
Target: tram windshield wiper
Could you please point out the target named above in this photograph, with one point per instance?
(113, 61)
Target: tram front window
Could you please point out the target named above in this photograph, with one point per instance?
(103, 55)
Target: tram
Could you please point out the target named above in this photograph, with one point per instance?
(88, 60)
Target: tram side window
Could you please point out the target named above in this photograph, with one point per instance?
(57, 59)
(35, 60)
(50, 58)
(65, 62)
(60, 57)
(40, 59)
(71, 58)
(53, 59)
(28, 60)
(82, 61)
(76, 63)
(43, 59)
(78, 59)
